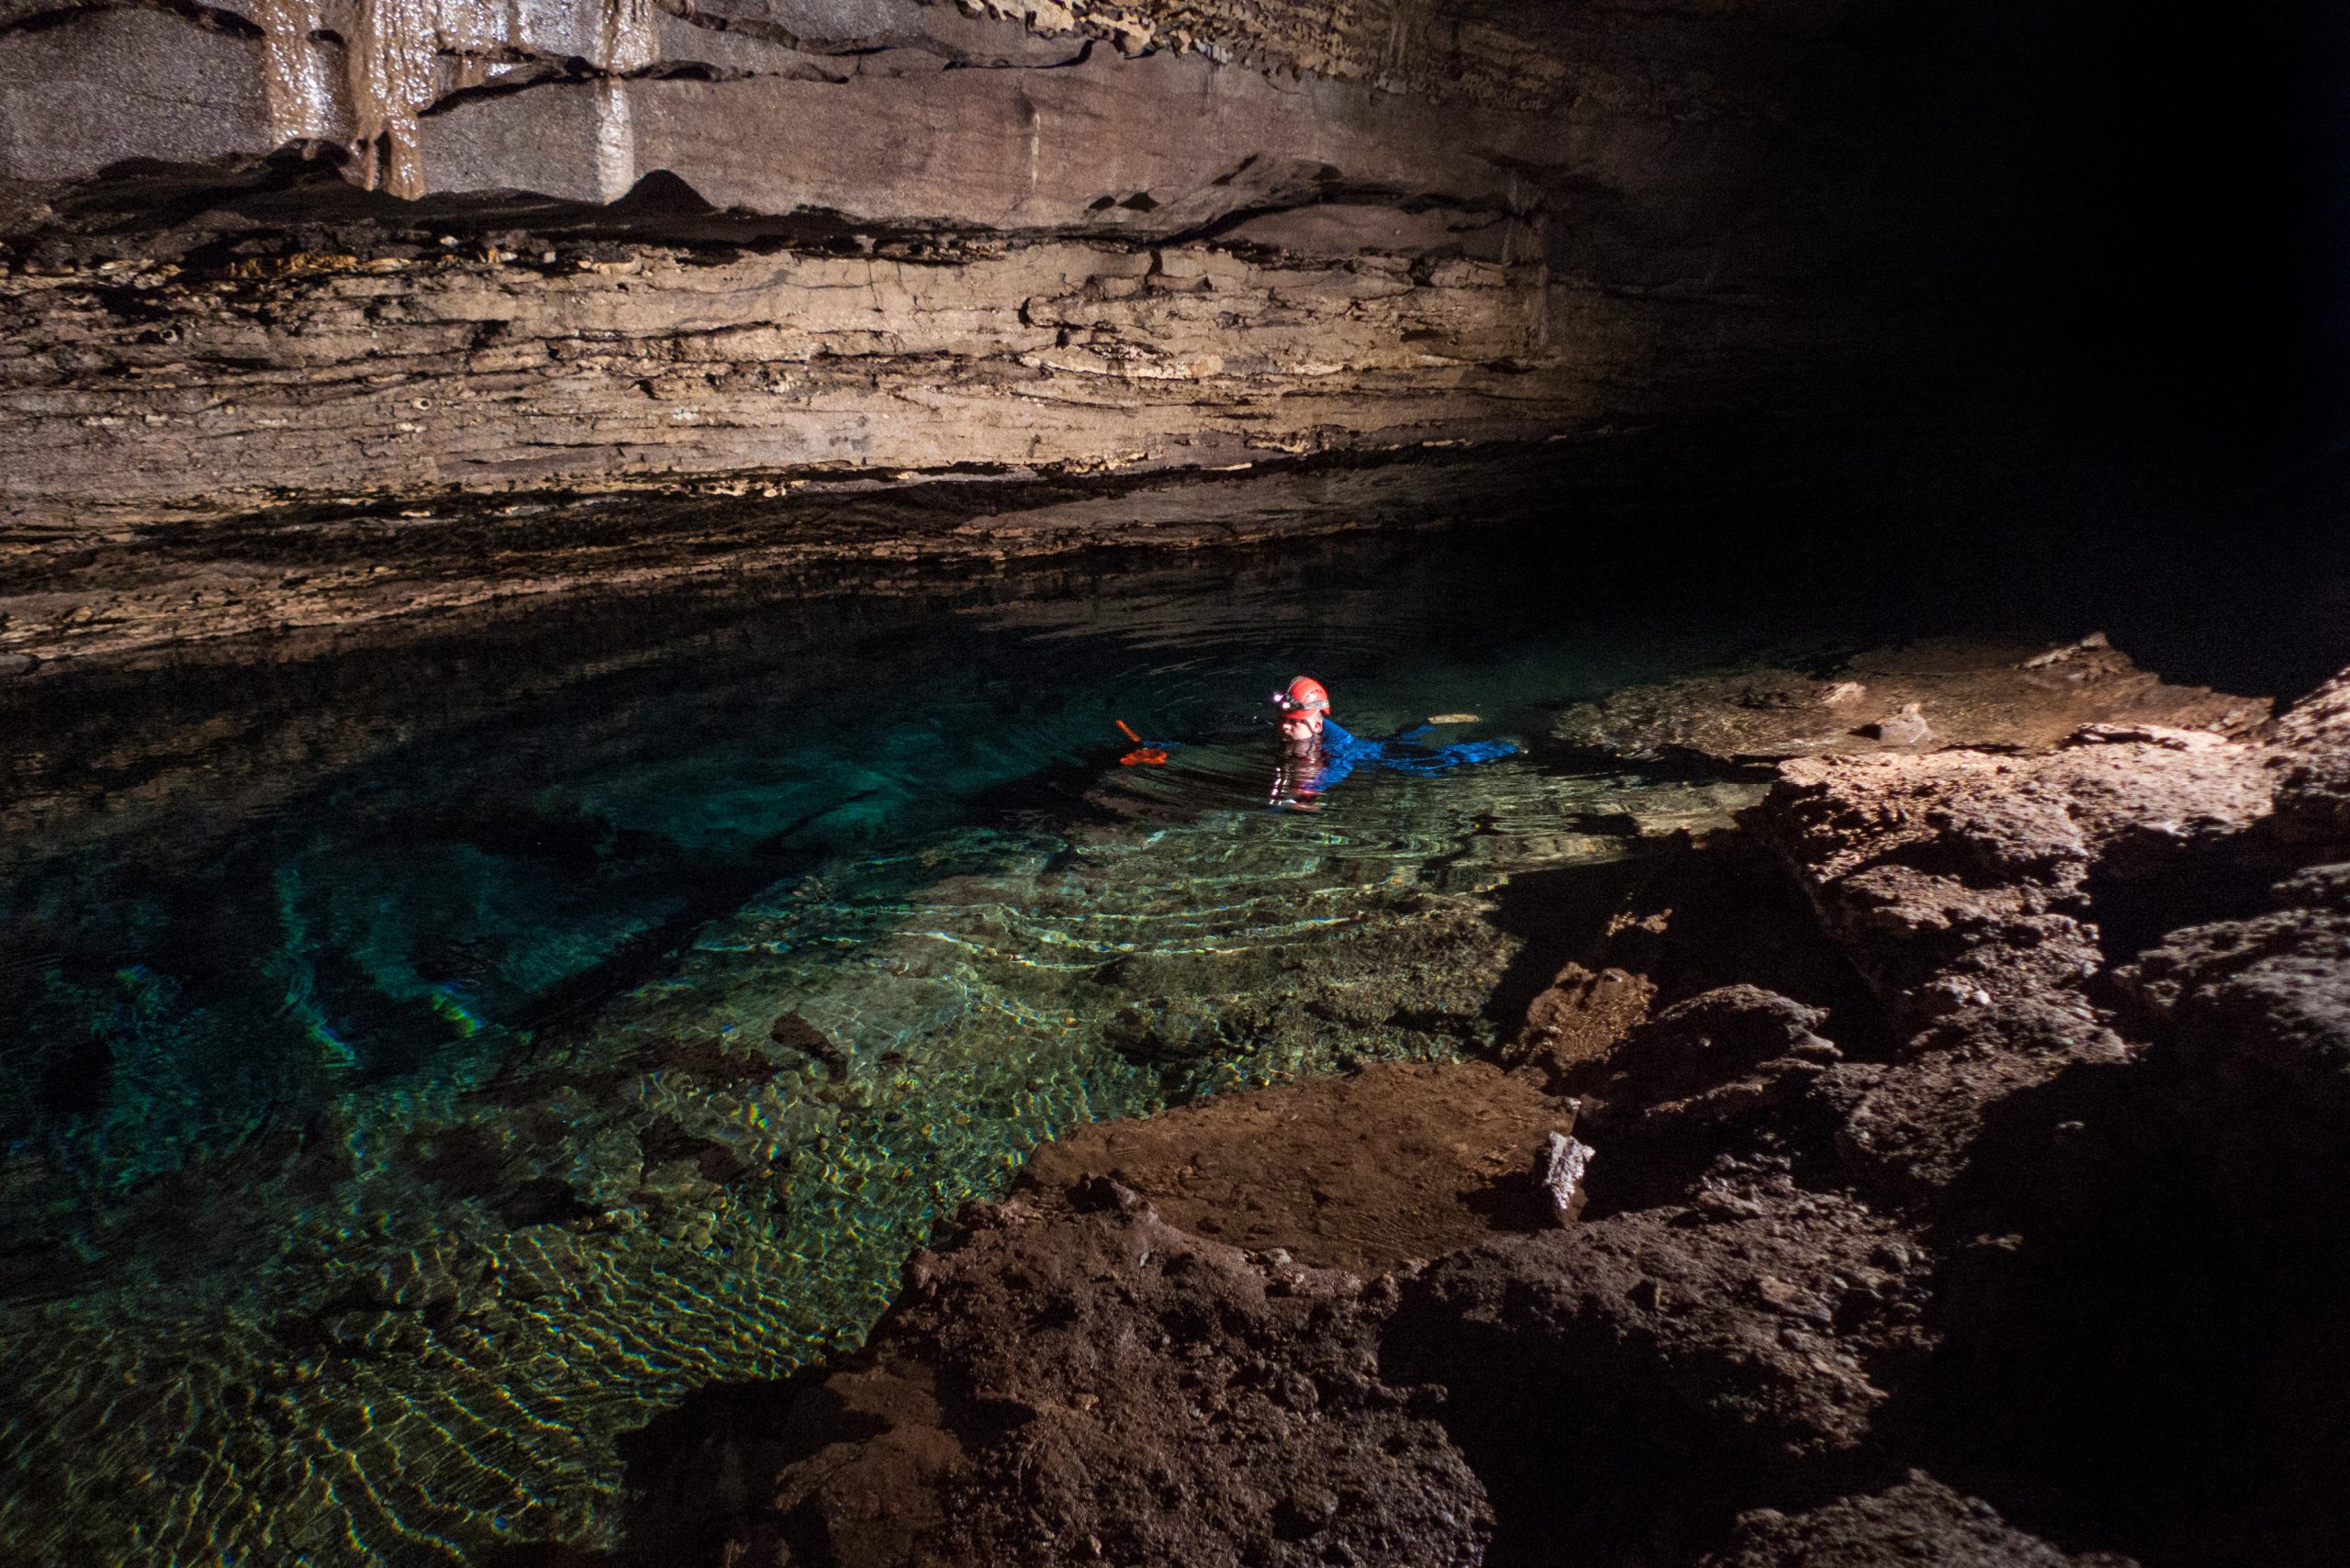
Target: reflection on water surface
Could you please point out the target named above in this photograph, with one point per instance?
(428, 1058)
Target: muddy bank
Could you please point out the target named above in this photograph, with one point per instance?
(1963, 1125)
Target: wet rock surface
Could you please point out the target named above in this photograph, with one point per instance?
(2038, 1263)
(1922, 697)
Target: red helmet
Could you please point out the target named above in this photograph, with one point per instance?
(1305, 695)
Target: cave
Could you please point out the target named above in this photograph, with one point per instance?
(656, 914)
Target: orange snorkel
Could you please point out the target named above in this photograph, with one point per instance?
(1144, 753)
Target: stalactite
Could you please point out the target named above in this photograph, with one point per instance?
(302, 106)
(395, 76)
(627, 39)
(404, 56)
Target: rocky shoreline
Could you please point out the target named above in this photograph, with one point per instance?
(1964, 1126)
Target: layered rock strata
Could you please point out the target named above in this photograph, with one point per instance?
(2047, 1237)
(480, 373)
(277, 259)
(317, 568)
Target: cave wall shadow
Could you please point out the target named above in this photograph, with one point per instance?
(2143, 1282)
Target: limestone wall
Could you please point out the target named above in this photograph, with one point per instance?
(319, 251)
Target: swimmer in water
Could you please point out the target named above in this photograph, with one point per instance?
(1317, 751)
(1304, 720)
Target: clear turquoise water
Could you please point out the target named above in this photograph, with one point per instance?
(396, 1114)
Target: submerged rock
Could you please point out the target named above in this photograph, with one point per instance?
(797, 1033)
(1175, 1029)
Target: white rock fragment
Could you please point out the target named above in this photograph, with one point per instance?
(1558, 1173)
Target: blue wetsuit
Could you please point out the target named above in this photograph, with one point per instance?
(1344, 751)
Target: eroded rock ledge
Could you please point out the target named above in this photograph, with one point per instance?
(274, 262)
(318, 567)
(1990, 1221)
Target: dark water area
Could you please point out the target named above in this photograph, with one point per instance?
(428, 1052)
